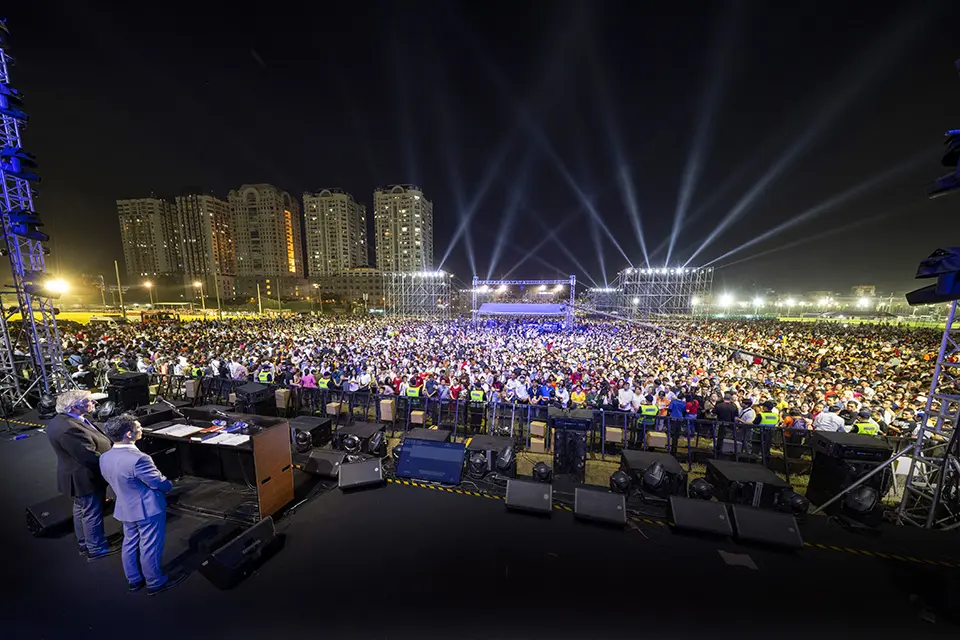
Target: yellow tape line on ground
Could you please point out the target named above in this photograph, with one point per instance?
(809, 545)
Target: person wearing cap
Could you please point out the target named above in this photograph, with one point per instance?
(829, 420)
(865, 424)
(767, 417)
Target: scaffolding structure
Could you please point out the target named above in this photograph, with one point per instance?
(603, 300)
(483, 287)
(647, 293)
(24, 246)
(931, 494)
(417, 294)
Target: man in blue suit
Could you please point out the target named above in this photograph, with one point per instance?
(141, 505)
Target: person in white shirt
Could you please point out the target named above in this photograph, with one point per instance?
(828, 420)
(625, 397)
(563, 396)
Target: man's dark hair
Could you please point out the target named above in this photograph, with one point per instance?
(118, 426)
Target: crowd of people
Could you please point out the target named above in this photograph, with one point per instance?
(870, 378)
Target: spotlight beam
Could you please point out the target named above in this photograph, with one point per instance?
(543, 241)
(513, 205)
(818, 236)
(700, 144)
(823, 207)
(449, 149)
(612, 128)
(566, 251)
(868, 68)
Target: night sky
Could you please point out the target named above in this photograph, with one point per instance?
(528, 114)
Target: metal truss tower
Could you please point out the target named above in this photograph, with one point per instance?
(480, 286)
(419, 294)
(931, 495)
(647, 293)
(24, 247)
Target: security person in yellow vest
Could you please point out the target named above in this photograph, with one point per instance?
(475, 406)
(324, 381)
(265, 376)
(865, 424)
(768, 418)
(413, 391)
(649, 411)
(196, 372)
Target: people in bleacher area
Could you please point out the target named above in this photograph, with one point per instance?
(718, 369)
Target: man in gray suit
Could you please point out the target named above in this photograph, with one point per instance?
(78, 444)
(141, 505)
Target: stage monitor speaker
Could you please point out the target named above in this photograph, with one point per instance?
(700, 515)
(254, 393)
(50, 516)
(127, 379)
(570, 452)
(829, 476)
(128, 398)
(600, 506)
(766, 527)
(744, 483)
(230, 564)
(307, 432)
(361, 474)
(535, 497)
(325, 464)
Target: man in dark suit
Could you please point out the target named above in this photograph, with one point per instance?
(78, 445)
(141, 505)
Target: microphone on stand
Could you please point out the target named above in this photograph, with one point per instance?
(171, 405)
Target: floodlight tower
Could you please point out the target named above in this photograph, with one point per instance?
(23, 242)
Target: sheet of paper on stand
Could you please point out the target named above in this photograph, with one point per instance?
(217, 439)
(179, 430)
(234, 439)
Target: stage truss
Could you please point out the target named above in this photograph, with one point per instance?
(418, 294)
(483, 288)
(647, 293)
(23, 242)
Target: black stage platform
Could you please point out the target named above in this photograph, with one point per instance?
(410, 562)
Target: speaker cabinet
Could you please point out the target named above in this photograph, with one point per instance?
(230, 564)
(535, 497)
(128, 398)
(307, 432)
(50, 516)
(361, 474)
(766, 527)
(325, 464)
(700, 516)
(600, 506)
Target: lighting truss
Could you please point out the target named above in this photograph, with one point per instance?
(418, 294)
(481, 287)
(604, 299)
(24, 245)
(930, 494)
(662, 291)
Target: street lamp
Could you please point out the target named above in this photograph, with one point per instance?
(149, 286)
(199, 285)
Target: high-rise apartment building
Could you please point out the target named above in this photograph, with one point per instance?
(266, 228)
(403, 222)
(206, 242)
(336, 232)
(150, 236)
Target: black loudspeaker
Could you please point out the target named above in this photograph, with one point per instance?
(307, 432)
(745, 483)
(230, 564)
(482, 452)
(127, 379)
(325, 464)
(128, 398)
(254, 393)
(535, 497)
(50, 516)
(766, 527)
(570, 452)
(635, 464)
(829, 476)
(361, 474)
(700, 515)
(358, 439)
(601, 506)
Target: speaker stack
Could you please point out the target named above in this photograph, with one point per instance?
(570, 440)
(839, 460)
(255, 398)
(128, 390)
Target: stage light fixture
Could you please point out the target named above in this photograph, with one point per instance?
(106, 410)
(542, 473)
(636, 301)
(792, 502)
(57, 286)
(758, 302)
(863, 302)
(303, 441)
(506, 461)
(620, 482)
(944, 265)
(26, 225)
(377, 445)
(395, 453)
(477, 465)
(47, 407)
(655, 480)
(725, 299)
(701, 489)
(352, 443)
(860, 502)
